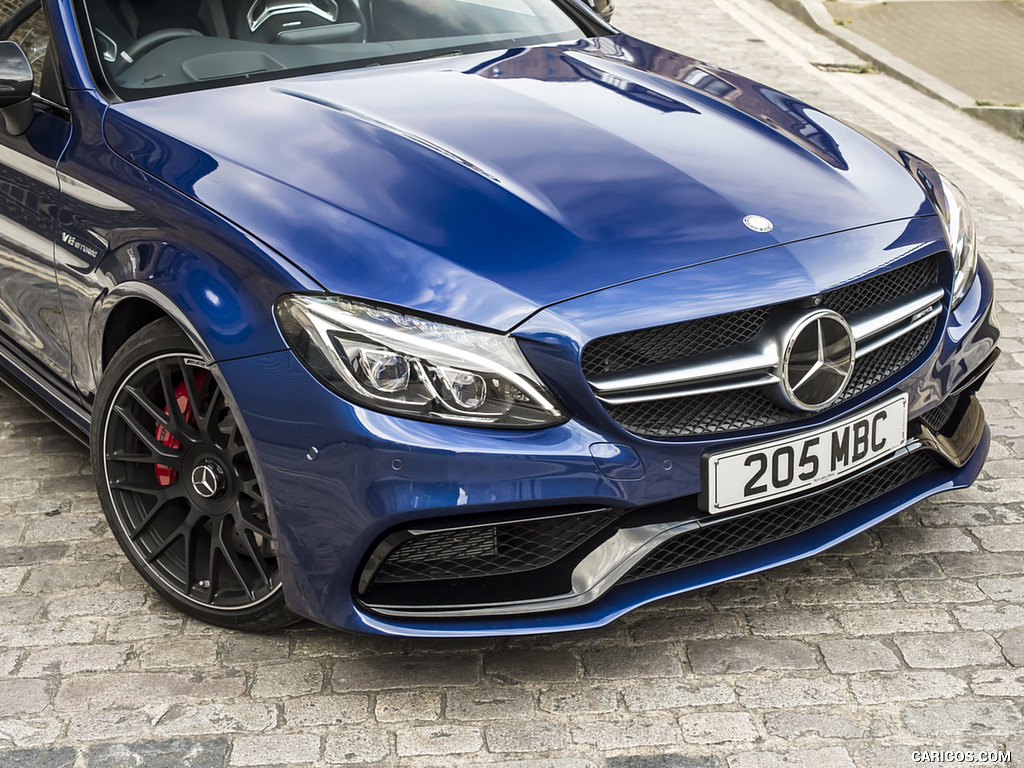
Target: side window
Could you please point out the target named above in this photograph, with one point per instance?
(32, 34)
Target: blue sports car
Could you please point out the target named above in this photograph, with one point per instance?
(467, 317)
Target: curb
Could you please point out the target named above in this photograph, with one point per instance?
(1009, 120)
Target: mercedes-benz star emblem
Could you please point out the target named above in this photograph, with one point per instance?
(758, 223)
(205, 480)
(817, 361)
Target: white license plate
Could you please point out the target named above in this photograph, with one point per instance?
(771, 470)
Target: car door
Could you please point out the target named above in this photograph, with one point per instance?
(33, 332)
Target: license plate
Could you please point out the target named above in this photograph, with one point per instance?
(771, 470)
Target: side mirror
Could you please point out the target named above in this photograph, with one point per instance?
(16, 81)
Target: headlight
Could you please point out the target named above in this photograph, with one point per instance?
(414, 367)
(955, 213)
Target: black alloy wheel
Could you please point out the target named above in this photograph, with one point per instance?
(178, 484)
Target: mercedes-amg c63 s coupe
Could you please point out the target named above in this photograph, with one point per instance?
(462, 317)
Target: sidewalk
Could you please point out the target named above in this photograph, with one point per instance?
(969, 53)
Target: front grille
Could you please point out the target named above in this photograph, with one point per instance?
(747, 408)
(491, 550)
(737, 534)
(739, 409)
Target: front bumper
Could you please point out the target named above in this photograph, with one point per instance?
(372, 475)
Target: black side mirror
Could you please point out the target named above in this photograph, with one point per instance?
(16, 81)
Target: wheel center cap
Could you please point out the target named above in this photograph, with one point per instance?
(209, 479)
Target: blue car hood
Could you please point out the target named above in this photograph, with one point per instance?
(484, 187)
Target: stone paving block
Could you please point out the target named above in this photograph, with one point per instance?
(990, 617)
(833, 757)
(8, 661)
(141, 627)
(490, 704)
(906, 686)
(54, 633)
(404, 706)
(949, 650)
(357, 747)
(438, 740)
(663, 761)
(110, 725)
(888, 566)
(172, 753)
(540, 666)
(388, 672)
(195, 652)
(1008, 683)
(945, 719)
(111, 690)
(241, 716)
(895, 621)
(651, 697)
(685, 625)
(1012, 644)
(21, 609)
(292, 678)
(536, 736)
(660, 660)
(29, 731)
(32, 554)
(839, 592)
(720, 728)
(789, 692)
(793, 623)
(72, 659)
(846, 656)
(51, 578)
(237, 648)
(23, 696)
(102, 604)
(1011, 589)
(61, 528)
(793, 725)
(640, 731)
(62, 757)
(11, 579)
(557, 762)
(748, 654)
(579, 700)
(911, 541)
(944, 591)
(1001, 538)
(276, 749)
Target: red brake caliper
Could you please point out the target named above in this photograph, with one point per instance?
(166, 475)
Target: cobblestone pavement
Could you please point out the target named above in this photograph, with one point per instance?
(908, 637)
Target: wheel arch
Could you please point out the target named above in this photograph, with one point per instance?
(124, 312)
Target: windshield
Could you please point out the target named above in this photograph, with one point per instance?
(148, 47)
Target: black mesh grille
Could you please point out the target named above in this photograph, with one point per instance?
(937, 417)
(744, 409)
(878, 290)
(491, 550)
(752, 530)
(669, 342)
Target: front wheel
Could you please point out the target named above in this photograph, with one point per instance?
(179, 487)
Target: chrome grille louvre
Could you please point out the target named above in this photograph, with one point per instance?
(709, 391)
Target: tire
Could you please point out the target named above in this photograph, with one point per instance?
(178, 485)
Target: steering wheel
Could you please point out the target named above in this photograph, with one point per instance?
(147, 43)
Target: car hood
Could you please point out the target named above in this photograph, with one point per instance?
(484, 187)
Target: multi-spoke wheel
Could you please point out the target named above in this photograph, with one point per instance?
(179, 487)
